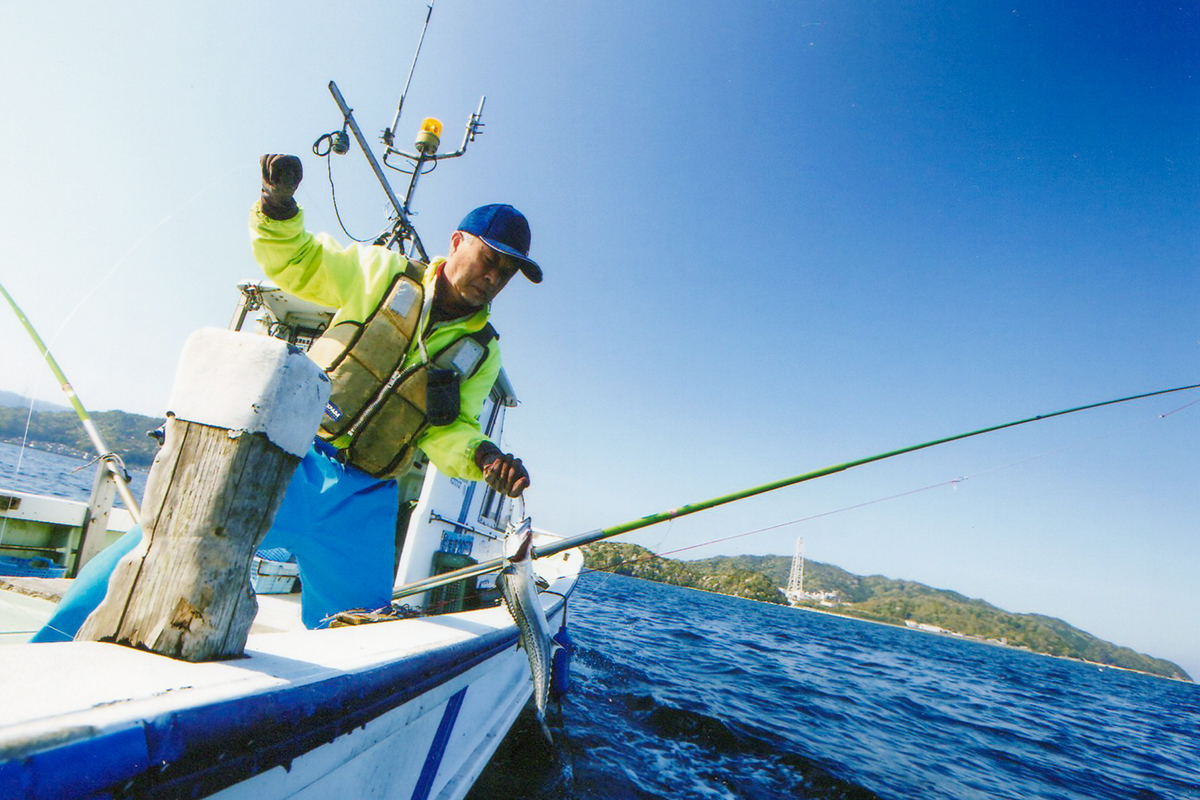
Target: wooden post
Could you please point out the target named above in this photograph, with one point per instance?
(243, 411)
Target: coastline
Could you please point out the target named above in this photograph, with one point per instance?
(989, 642)
(47, 447)
(943, 632)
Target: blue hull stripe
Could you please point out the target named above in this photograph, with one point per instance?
(438, 748)
(194, 752)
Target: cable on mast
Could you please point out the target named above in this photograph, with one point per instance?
(400, 233)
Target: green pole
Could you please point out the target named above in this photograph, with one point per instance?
(605, 533)
(111, 460)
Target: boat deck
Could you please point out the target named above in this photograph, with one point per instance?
(26, 604)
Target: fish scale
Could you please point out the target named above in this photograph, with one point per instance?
(518, 586)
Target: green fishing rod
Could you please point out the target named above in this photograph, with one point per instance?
(111, 460)
(605, 533)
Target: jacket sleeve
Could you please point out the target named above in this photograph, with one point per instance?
(316, 268)
(451, 447)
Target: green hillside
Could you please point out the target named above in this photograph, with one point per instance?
(18, 401)
(638, 562)
(61, 431)
(881, 599)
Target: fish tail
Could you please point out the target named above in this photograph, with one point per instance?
(541, 718)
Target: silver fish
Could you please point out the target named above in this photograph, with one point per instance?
(519, 587)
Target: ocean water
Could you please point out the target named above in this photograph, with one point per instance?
(29, 470)
(682, 694)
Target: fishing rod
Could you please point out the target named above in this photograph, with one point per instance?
(112, 462)
(579, 540)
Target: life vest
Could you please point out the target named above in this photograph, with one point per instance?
(376, 409)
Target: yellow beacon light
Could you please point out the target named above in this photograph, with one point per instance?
(429, 136)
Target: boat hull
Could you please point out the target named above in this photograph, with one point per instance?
(411, 708)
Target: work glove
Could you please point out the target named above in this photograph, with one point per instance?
(280, 177)
(502, 471)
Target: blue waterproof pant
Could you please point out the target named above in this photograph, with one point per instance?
(338, 521)
(341, 525)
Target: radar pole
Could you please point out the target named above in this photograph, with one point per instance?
(400, 233)
(795, 590)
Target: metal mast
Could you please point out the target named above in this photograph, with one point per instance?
(795, 590)
(400, 233)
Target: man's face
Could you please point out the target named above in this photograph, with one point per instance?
(476, 273)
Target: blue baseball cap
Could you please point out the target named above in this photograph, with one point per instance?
(505, 230)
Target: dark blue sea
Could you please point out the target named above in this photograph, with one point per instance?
(25, 469)
(682, 694)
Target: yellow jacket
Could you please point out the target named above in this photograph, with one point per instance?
(354, 280)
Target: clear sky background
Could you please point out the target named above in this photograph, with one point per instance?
(776, 236)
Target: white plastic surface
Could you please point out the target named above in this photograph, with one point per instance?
(249, 383)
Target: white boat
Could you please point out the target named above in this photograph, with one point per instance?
(410, 708)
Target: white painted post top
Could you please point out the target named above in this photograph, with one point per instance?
(251, 383)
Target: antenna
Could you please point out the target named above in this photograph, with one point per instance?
(401, 231)
(389, 133)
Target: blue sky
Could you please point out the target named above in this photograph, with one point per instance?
(776, 235)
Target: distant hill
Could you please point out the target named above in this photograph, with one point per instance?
(881, 599)
(820, 577)
(61, 431)
(13, 400)
(638, 562)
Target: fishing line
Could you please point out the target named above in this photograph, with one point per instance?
(16, 472)
(24, 440)
(112, 461)
(665, 536)
(610, 569)
(571, 542)
(666, 553)
(46, 356)
(1176, 411)
(951, 482)
(129, 252)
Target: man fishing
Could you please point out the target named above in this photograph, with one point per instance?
(411, 357)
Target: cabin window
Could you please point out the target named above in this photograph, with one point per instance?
(304, 337)
(492, 509)
(491, 414)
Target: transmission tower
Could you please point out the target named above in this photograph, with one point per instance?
(795, 590)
